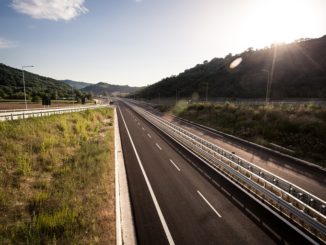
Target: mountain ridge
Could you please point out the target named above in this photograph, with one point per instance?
(299, 71)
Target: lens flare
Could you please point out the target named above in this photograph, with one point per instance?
(235, 63)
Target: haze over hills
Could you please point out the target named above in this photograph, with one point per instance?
(77, 85)
(299, 72)
(102, 88)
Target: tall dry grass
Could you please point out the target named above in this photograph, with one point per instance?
(57, 179)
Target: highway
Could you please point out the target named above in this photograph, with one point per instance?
(176, 199)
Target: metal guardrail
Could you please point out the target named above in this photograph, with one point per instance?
(303, 208)
(40, 113)
(36, 108)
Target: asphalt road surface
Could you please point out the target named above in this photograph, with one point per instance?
(177, 199)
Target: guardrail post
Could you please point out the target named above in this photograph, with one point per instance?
(323, 209)
(311, 202)
(275, 181)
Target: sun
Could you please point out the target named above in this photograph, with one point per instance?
(281, 21)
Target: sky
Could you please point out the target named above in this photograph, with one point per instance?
(139, 42)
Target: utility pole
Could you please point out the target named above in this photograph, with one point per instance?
(176, 96)
(24, 84)
(73, 99)
(267, 86)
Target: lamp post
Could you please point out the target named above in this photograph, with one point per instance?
(267, 86)
(24, 83)
(73, 99)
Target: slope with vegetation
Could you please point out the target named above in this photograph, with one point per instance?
(11, 86)
(301, 129)
(57, 179)
(299, 71)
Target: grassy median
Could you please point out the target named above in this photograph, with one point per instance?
(57, 179)
(299, 129)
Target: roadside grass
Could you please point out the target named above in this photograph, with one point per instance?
(301, 129)
(57, 179)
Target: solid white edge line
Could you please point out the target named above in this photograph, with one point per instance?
(157, 206)
(210, 205)
(117, 192)
(158, 146)
(175, 165)
(125, 230)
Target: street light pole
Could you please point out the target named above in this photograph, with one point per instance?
(73, 99)
(24, 84)
(267, 86)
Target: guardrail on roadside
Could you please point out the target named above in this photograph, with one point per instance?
(40, 113)
(301, 207)
(38, 108)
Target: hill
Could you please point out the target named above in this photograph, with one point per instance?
(77, 85)
(11, 85)
(299, 71)
(109, 89)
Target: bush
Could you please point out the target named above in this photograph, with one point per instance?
(36, 99)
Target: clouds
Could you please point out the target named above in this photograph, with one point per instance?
(4, 43)
(50, 9)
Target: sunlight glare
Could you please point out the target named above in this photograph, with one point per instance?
(280, 21)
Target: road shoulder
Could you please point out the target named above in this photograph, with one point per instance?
(125, 231)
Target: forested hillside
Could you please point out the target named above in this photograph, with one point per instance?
(11, 86)
(299, 71)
